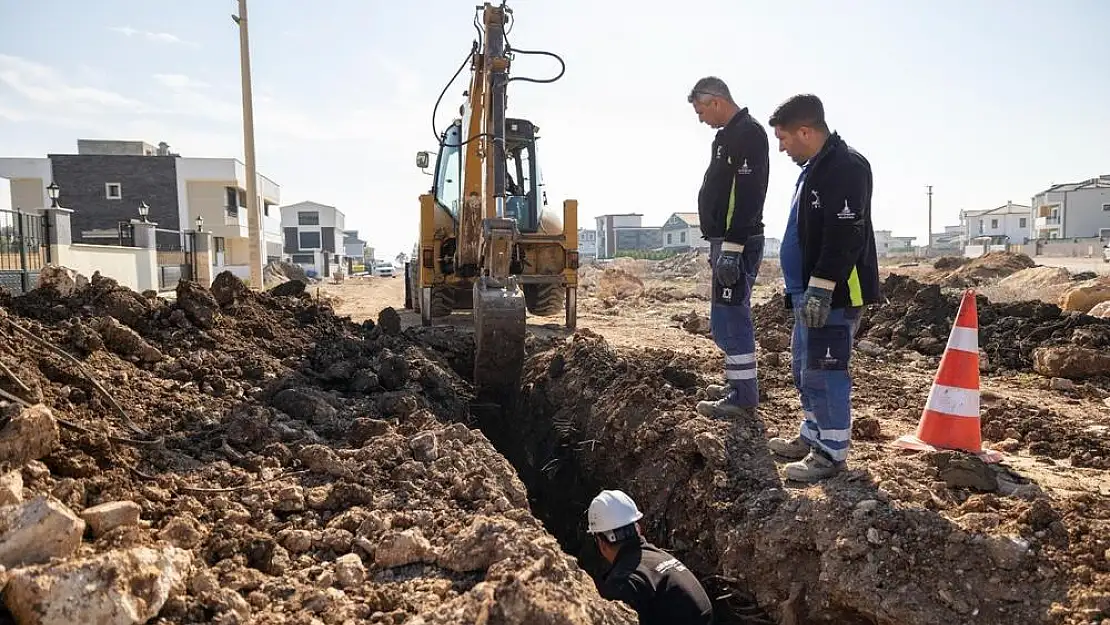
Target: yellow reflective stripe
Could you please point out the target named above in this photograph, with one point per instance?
(855, 291)
(731, 204)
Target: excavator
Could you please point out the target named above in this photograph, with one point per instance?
(487, 240)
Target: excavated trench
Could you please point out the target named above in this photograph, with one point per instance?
(539, 431)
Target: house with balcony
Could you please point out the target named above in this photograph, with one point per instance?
(1008, 224)
(310, 235)
(1075, 210)
(106, 181)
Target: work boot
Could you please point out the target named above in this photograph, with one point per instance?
(791, 448)
(716, 391)
(814, 467)
(724, 408)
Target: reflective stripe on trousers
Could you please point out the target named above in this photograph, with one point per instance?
(820, 362)
(730, 321)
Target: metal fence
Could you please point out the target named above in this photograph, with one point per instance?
(176, 260)
(24, 249)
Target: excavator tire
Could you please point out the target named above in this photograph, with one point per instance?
(499, 333)
(545, 300)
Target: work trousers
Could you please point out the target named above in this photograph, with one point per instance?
(730, 322)
(820, 358)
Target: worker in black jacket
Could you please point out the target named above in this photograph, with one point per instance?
(730, 211)
(653, 582)
(831, 272)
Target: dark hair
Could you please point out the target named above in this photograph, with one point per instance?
(801, 110)
(619, 535)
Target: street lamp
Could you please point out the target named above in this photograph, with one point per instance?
(200, 223)
(53, 190)
(144, 210)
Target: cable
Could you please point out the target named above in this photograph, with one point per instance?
(435, 109)
(558, 58)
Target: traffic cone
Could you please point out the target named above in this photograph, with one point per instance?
(950, 419)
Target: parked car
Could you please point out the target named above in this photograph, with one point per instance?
(385, 270)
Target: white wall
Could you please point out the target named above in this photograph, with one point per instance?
(30, 169)
(134, 268)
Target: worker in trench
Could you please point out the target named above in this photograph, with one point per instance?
(653, 582)
(730, 213)
(831, 272)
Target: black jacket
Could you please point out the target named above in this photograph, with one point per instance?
(834, 225)
(730, 202)
(659, 587)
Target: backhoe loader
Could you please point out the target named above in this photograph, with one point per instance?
(487, 239)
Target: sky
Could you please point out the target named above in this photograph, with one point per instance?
(987, 101)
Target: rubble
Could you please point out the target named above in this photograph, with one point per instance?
(38, 530)
(30, 434)
(1086, 295)
(986, 268)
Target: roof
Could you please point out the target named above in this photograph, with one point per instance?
(691, 219)
(1101, 182)
(1008, 208)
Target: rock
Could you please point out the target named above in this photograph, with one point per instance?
(11, 488)
(959, 470)
(401, 548)
(712, 448)
(364, 428)
(116, 588)
(425, 447)
(484, 542)
(183, 531)
(323, 459)
(349, 571)
(866, 428)
(197, 302)
(389, 321)
(108, 516)
(1007, 551)
(124, 341)
(1102, 310)
(296, 541)
(1086, 295)
(38, 530)
(869, 348)
(290, 499)
(228, 289)
(1071, 362)
(1062, 384)
(29, 435)
(305, 404)
(63, 280)
(292, 288)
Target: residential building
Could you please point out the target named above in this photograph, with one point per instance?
(354, 249)
(682, 231)
(1073, 211)
(625, 232)
(951, 240)
(771, 247)
(1008, 224)
(106, 180)
(886, 244)
(587, 244)
(310, 237)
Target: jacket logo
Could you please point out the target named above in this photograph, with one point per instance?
(670, 565)
(720, 152)
(726, 294)
(744, 169)
(816, 200)
(846, 212)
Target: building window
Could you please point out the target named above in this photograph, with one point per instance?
(304, 259)
(219, 244)
(309, 240)
(1106, 207)
(669, 238)
(308, 219)
(994, 224)
(1023, 222)
(113, 191)
(682, 237)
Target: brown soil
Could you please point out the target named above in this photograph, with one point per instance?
(324, 435)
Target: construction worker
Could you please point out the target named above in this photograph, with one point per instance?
(730, 210)
(830, 269)
(653, 582)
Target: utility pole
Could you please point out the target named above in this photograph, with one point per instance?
(929, 239)
(254, 216)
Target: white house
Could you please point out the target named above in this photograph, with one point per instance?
(1009, 224)
(886, 244)
(1073, 210)
(314, 237)
(587, 244)
(682, 231)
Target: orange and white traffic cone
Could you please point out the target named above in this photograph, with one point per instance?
(950, 419)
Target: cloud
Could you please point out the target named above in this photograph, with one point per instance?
(43, 86)
(127, 31)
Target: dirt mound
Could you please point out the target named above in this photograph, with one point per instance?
(1036, 278)
(983, 269)
(919, 317)
(315, 469)
(686, 264)
(948, 263)
(619, 283)
(907, 539)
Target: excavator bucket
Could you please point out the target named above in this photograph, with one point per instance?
(499, 333)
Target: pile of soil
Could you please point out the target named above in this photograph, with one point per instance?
(987, 268)
(912, 539)
(919, 317)
(687, 264)
(316, 469)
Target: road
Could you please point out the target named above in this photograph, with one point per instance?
(1075, 265)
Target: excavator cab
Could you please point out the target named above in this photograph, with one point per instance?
(488, 240)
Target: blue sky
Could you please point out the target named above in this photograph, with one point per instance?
(987, 101)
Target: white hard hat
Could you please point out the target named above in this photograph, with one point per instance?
(611, 509)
